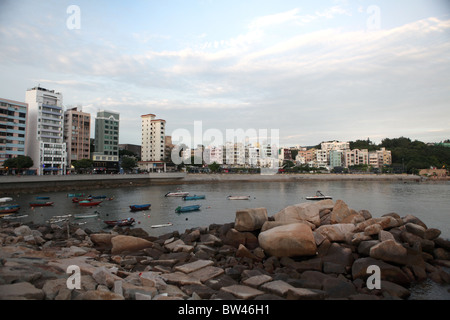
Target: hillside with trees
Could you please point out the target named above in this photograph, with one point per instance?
(407, 155)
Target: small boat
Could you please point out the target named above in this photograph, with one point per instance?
(162, 225)
(5, 199)
(9, 210)
(98, 197)
(188, 208)
(194, 197)
(42, 198)
(238, 197)
(318, 196)
(12, 216)
(41, 204)
(84, 216)
(120, 223)
(140, 207)
(176, 194)
(89, 203)
(71, 195)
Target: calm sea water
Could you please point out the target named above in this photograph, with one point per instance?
(428, 201)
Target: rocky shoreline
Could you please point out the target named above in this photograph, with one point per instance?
(310, 251)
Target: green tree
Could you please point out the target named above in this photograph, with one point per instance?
(83, 165)
(128, 163)
(19, 163)
(214, 167)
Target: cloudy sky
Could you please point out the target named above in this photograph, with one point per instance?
(314, 70)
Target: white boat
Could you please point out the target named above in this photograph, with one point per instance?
(162, 225)
(177, 194)
(318, 196)
(5, 199)
(238, 197)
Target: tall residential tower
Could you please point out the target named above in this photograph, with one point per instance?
(44, 138)
(13, 116)
(77, 132)
(106, 155)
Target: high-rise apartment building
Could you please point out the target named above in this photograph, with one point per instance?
(13, 117)
(106, 155)
(44, 138)
(153, 138)
(77, 131)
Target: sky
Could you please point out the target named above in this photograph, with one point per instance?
(313, 70)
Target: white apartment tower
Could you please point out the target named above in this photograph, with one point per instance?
(44, 134)
(153, 138)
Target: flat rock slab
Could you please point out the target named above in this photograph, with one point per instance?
(206, 273)
(305, 294)
(194, 266)
(278, 287)
(242, 292)
(19, 291)
(180, 278)
(256, 281)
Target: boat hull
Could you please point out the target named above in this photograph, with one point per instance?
(39, 204)
(89, 203)
(9, 211)
(195, 197)
(140, 207)
(238, 197)
(187, 209)
(176, 194)
(317, 198)
(120, 223)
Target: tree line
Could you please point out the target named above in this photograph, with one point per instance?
(407, 155)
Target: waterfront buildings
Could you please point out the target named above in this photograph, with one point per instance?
(44, 141)
(13, 116)
(153, 137)
(77, 132)
(106, 155)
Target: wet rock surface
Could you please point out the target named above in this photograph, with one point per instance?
(309, 251)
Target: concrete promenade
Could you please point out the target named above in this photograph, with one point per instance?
(48, 183)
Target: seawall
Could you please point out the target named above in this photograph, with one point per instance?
(24, 184)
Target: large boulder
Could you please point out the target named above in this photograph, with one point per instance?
(337, 232)
(128, 243)
(301, 212)
(250, 219)
(340, 212)
(388, 272)
(290, 240)
(389, 251)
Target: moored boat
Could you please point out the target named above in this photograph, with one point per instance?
(42, 198)
(319, 196)
(238, 197)
(194, 197)
(168, 224)
(71, 195)
(140, 207)
(89, 203)
(5, 199)
(84, 216)
(8, 211)
(187, 208)
(176, 194)
(41, 204)
(120, 223)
